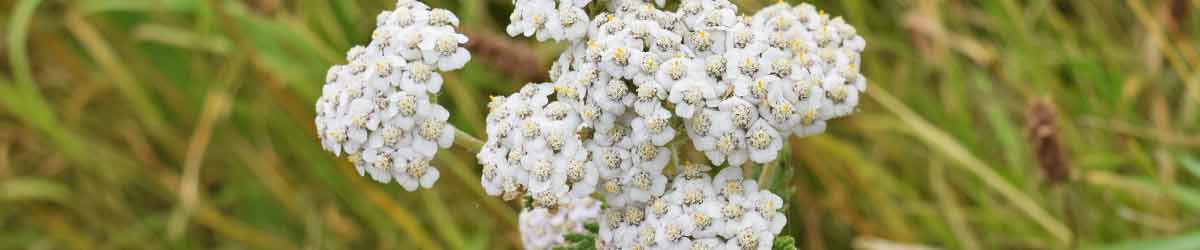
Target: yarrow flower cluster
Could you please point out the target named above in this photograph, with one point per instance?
(544, 229)
(380, 108)
(697, 212)
(739, 85)
(633, 78)
(631, 81)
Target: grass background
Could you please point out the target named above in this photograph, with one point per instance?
(187, 124)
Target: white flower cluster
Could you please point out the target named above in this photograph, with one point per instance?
(738, 85)
(534, 146)
(379, 109)
(549, 19)
(697, 212)
(741, 85)
(543, 229)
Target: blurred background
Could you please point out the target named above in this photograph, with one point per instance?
(187, 124)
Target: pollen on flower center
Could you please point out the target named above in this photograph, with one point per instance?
(407, 104)
(656, 125)
(642, 181)
(838, 95)
(430, 129)
(621, 56)
(649, 64)
(702, 41)
(575, 171)
(693, 196)
(731, 187)
(647, 93)
(658, 207)
(783, 110)
(809, 117)
(675, 70)
(611, 159)
(391, 135)
(701, 123)
(612, 187)
(567, 18)
(541, 170)
(725, 143)
(674, 233)
(715, 66)
(417, 168)
(359, 121)
(692, 96)
(530, 129)
(383, 162)
(741, 39)
(748, 67)
(446, 46)
(634, 216)
(742, 115)
(616, 89)
(647, 151)
(782, 67)
(556, 142)
(516, 154)
(701, 220)
(383, 69)
(440, 17)
(338, 136)
(747, 239)
(759, 139)
(732, 210)
(421, 72)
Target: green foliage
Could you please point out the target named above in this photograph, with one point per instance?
(784, 243)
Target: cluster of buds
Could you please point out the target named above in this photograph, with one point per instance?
(380, 108)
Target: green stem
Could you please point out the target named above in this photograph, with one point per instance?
(467, 142)
(764, 176)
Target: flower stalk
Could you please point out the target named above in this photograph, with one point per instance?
(466, 142)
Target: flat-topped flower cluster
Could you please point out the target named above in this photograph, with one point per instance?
(634, 78)
(697, 212)
(635, 85)
(379, 109)
(739, 85)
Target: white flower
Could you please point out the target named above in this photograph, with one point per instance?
(649, 98)
(767, 205)
(655, 127)
(725, 142)
(842, 98)
(691, 94)
(379, 164)
(432, 131)
(442, 47)
(414, 171)
(529, 16)
(542, 229)
(613, 96)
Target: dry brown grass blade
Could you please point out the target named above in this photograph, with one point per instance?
(1041, 125)
(501, 53)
